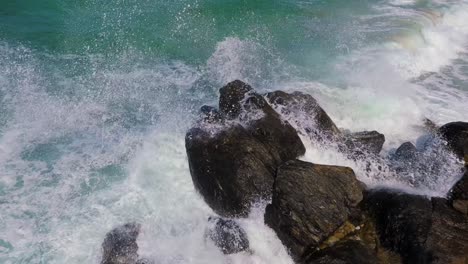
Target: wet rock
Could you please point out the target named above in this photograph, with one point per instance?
(421, 230)
(211, 114)
(366, 141)
(231, 97)
(403, 222)
(310, 202)
(227, 235)
(459, 194)
(456, 135)
(447, 240)
(348, 252)
(407, 151)
(235, 166)
(119, 246)
(309, 114)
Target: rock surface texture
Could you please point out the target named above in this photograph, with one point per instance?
(310, 202)
(227, 235)
(119, 246)
(234, 165)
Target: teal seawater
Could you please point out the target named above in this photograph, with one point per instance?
(96, 96)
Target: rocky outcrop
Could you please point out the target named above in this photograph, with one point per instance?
(420, 229)
(456, 135)
(310, 202)
(234, 166)
(120, 247)
(310, 115)
(227, 235)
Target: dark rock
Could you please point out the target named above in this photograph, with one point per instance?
(211, 114)
(235, 166)
(307, 111)
(403, 222)
(228, 235)
(348, 252)
(419, 229)
(231, 169)
(310, 202)
(231, 97)
(448, 238)
(119, 246)
(459, 194)
(456, 135)
(407, 151)
(366, 141)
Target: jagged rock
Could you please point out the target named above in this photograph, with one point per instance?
(366, 141)
(231, 97)
(456, 135)
(308, 113)
(348, 252)
(119, 246)
(419, 229)
(459, 194)
(310, 202)
(235, 166)
(407, 151)
(227, 235)
(403, 222)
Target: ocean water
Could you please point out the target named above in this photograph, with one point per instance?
(96, 96)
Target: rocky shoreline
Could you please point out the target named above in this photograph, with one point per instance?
(244, 151)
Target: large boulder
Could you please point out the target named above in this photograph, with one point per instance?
(310, 202)
(309, 114)
(403, 222)
(456, 135)
(347, 252)
(234, 166)
(420, 229)
(227, 235)
(120, 246)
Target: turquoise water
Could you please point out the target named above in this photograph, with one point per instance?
(96, 96)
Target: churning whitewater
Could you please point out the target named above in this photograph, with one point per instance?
(96, 98)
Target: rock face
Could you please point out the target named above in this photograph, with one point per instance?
(421, 230)
(310, 202)
(403, 222)
(366, 141)
(459, 194)
(348, 252)
(235, 166)
(456, 135)
(119, 246)
(306, 109)
(228, 236)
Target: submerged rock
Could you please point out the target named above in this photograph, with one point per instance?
(406, 152)
(309, 114)
(119, 246)
(310, 202)
(228, 236)
(456, 135)
(348, 252)
(235, 166)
